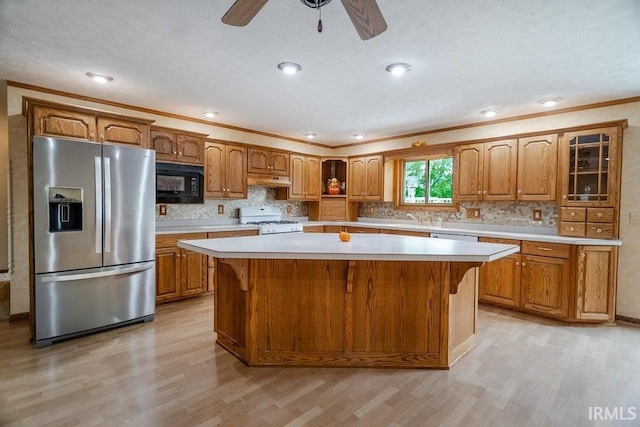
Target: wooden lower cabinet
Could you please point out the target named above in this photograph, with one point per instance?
(596, 283)
(179, 273)
(500, 281)
(405, 232)
(545, 285)
(565, 282)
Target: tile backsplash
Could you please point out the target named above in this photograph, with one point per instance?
(257, 196)
(493, 213)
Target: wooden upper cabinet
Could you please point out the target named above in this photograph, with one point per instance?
(266, 162)
(225, 171)
(366, 178)
(164, 143)
(190, 149)
(590, 162)
(173, 145)
(537, 168)
(596, 283)
(499, 170)
(49, 121)
(123, 132)
(236, 172)
(305, 178)
(486, 171)
(468, 174)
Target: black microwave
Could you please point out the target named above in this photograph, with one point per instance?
(176, 183)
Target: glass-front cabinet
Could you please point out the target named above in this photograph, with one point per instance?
(590, 163)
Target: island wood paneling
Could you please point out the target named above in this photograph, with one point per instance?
(344, 313)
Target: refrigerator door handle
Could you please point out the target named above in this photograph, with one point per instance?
(98, 184)
(107, 204)
(98, 274)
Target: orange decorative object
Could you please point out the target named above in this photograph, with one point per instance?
(334, 190)
(344, 236)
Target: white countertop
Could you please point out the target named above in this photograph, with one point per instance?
(375, 247)
(479, 230)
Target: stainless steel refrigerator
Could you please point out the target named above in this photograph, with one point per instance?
(94, 237)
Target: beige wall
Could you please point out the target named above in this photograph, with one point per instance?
(629, 268)
(4, 164)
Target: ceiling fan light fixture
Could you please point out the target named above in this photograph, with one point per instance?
(310, 135)
(289, 67)
(99, 77)
(210, 114)
(490, 112)
(550, 102)
(359, 136)
(398, 69)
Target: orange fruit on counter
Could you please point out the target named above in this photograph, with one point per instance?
(344, 236)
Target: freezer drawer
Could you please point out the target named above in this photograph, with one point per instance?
(85, 301)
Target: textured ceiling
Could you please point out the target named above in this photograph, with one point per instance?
(466, 56)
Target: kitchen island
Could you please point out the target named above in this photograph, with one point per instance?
(375, 301)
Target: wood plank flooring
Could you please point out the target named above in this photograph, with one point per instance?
(523, 371)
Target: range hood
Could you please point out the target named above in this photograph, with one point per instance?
(268, 180)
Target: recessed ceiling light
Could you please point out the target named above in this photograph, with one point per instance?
(550, 102)
(211, 114)
(310, 135)
(490, 112)
(99, 78)
(398, 69)
(289, 67)
(358, 136)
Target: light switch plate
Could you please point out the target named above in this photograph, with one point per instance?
(473, 213)
(634, 218)
(537, 215)
(220, 209)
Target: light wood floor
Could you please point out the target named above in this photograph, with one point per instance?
(523, 371)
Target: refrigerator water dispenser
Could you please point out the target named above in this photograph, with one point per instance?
(65, 209)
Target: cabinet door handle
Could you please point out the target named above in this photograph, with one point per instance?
(517, 262)
(91, 134)
(582, 254)
(564, 197)
(599, 230)
(484, 192)
(479, 192)
(573, 214)
(180, 153)
(572, 228)
(600, 215)
(524, 264)
(519, 191)
(540, 248)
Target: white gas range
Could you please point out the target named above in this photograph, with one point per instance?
(269, 219)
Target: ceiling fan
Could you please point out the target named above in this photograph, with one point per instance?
(365, 14)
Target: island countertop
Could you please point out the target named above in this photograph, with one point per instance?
(375, 247)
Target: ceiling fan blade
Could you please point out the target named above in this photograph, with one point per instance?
(242, 12)
(366, 17)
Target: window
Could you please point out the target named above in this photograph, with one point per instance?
(426, 181)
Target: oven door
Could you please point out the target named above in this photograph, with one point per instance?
(179, 183)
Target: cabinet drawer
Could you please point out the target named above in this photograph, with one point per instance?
(600, 230)
(363, 230)
(555, 250)
(502, 241)
(574, 229)
(171, 240)
(600, 214)
(334, 228)
(313, 229)
(236, 233)
(573, 214)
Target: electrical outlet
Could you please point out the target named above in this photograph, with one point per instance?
(162, 209)
(289, 209)
(473, 213)
(220, 209)
(537, 215)
(371, 210)
(634, 218)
